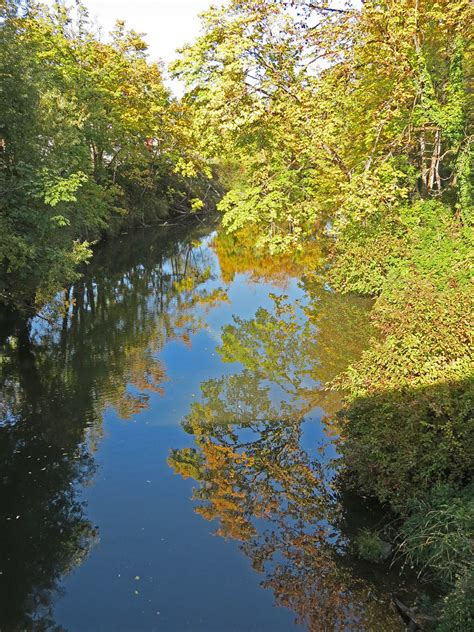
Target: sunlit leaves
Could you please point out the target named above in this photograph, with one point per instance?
(311, 100)
(90, 138)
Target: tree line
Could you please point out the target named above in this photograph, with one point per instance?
(91, 141)
(325, 122)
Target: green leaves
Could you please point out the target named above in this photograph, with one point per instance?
(58, 190)
(90, 139)
(381, 118)
(437, 533)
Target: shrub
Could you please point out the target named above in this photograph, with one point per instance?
(458, 614)
(371, 547)
(438, 533)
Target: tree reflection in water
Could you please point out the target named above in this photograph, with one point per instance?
(97, 348)
(258, 480)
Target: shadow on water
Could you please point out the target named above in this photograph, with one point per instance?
(94, 348)
(44, 531)
(264, 433)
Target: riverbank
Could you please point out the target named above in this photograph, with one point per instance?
(407, 421)
(91, 143)
(157, 333)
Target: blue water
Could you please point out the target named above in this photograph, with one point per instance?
(190, 579)
(97, 532)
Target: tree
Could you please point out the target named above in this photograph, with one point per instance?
(91, 139)
(329, 111)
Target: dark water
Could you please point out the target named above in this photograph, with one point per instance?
(166, 449)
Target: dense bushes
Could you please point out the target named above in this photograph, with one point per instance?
(458, 614)
(408, 419)
(438, 532)
(399, 444)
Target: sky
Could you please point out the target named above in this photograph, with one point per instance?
(168, 24)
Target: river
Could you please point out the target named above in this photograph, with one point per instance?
(168, 452)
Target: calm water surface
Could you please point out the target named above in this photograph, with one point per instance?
(166, 448)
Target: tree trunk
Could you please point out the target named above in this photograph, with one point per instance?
(434, 166)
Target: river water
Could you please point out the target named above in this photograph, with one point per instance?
(168, 454)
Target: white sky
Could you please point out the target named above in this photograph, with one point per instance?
(168, 24)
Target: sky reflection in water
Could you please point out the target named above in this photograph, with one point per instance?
(179, 353)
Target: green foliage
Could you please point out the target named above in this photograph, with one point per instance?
(465, 184)
(89, 139)
(407, 421)
(458, 615)
(408, 416)
(438, 532)
(398, 444)
(391, 243)
(369, 546)
(341, 120)
(58, 190)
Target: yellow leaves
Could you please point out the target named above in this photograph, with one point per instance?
(213, 299)
(185, 167)
(186, 284)
(224, 499)
(196, 204)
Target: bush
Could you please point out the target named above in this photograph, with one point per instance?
(371, 547)
(398, 444)
(458, 614)
(438, 533)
